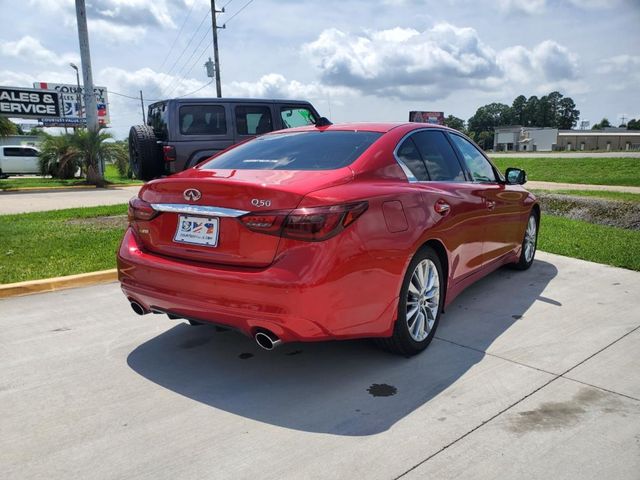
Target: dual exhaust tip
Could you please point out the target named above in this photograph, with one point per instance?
(265, 339)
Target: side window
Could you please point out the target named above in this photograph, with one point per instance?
(481, 170)
(439, 157)
(29, 152)
(296, 117)
(411, 160)
(202, 120)
(12, 152)
(253, 120)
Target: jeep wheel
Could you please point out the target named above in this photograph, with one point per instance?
(144, 153)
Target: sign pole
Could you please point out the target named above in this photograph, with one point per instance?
(91, 106)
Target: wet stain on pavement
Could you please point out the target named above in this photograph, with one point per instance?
(295, 352)
(244, 356)
(196, 342)
(558, 415)
(382, 390)
(61, 329)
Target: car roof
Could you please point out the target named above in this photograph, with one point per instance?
(380, 127)
(233, 100)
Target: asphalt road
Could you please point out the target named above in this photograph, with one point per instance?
(533, 375)
(22, 202)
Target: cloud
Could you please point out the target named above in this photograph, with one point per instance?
(275, 85)
(620, 64)
(115, 34)
(528, 7)
(30, 49)
(407, 64)
(404, 62)
(548, 61)
(132, 12)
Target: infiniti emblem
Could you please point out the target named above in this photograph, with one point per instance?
(192, 195)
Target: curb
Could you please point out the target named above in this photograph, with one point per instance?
(69, 187)
(57, 283)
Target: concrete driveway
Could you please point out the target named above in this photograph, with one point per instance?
(533, 375)
(22, 202)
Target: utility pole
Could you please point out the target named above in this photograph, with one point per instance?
(144, 120)
(216, 58)
(91, 106)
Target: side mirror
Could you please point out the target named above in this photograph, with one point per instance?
(515, 176)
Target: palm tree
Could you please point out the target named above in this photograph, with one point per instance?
(95, 148)
(7, 127)
(84, 149)
(59, 157)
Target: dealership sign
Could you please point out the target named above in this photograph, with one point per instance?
(73, 113)
(29, 103)
(436, 118)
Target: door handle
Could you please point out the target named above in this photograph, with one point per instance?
(442, 207)
(491, 204)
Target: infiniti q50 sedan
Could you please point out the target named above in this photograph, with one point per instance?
(328, 232)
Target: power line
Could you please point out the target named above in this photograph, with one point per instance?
(176, 80)
(177, 36)
(196, 91)
(180, 55)
(238, 11)
(111, 92)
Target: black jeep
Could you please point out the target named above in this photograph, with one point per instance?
(180, 133)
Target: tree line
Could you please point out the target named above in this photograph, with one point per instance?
(553, 110)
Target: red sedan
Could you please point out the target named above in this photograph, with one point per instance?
(331, 232)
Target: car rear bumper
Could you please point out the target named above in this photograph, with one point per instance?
(307, 295)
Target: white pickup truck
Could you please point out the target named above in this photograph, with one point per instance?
(18, 160)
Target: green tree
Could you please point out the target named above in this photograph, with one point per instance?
(7, 127)
(633, 124)
(531, 111)
(518, 110)
(602, 124)
(484, 121)
(568, 114)
(454, 122)
(58, 156)
(61, 155)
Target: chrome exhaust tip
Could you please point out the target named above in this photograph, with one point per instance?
(139, 309)
(267, 340)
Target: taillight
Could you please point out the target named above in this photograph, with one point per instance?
(310, 224)
(169, 153)
(140, 210)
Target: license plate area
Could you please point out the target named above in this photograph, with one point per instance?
(197, 230)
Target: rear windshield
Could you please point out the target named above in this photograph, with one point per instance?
(296, 151)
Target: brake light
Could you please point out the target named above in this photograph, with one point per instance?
(310, 224)
(169, 153)
(140, 210)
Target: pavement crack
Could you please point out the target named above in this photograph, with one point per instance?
(517, 402)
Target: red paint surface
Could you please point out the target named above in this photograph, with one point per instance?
(344, 287)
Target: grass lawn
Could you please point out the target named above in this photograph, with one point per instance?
(596, 243)
(111, 175)
(63, 242)
(604, 194)
(597, 171)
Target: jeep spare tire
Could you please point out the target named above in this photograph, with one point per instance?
(144, 153)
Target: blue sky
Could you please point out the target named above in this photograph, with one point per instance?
(354, 59)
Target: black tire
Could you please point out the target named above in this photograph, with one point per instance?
(145, 156)
(401, 341)
(523, 263)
